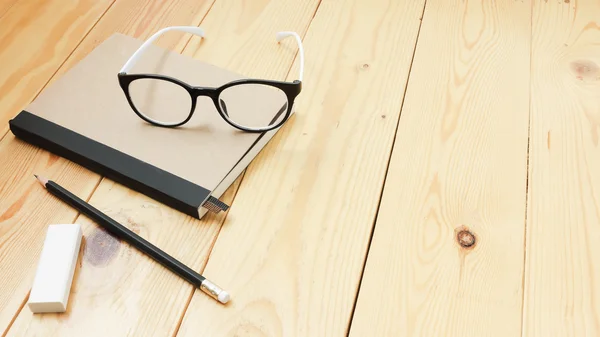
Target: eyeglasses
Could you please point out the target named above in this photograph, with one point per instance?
(149, 94)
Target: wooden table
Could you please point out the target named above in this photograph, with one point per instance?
(441, 176)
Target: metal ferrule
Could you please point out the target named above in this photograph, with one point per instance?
(210, 288)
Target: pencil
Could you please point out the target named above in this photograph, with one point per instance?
(135, 240)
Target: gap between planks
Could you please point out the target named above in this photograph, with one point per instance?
(374, 223)
(562, 224)
(278, 306)
(447, 200)
(99, 181)
(7, 130)
(14, 318)
(236, 185)
(16, 314)
(524, 268)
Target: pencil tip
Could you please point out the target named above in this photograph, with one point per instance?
(42, 180)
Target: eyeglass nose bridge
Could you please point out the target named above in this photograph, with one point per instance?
(210, 93)
(204, 91)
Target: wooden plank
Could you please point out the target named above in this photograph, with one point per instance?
(25, 213)
(141, 19)
(116, 291)
(459, 163)
(293, 248)
(562, 295)
(120, 291)
(30, 54)
(36, 37)
(6, 5)
(242, 37)
(22, 225)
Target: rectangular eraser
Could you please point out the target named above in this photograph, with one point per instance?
(52, 283)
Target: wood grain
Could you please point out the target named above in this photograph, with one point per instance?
(141, 19)
(117, 283)
(5, 6)
(23, 224)
(26, 210)
(36, 37)
(458, 169)
(562, 286)
(292, 250)
(242, 37)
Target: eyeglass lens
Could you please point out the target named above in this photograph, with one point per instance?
(253, 105)
(160, 101)
(249, 105)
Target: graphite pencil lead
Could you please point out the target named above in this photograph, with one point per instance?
(42, 180)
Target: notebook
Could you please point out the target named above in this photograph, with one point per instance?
(84, 116)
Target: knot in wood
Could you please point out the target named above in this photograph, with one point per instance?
(101, 248)
(465, 238)
(586, 70)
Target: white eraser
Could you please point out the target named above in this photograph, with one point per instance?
(52, 283)
(223, 297)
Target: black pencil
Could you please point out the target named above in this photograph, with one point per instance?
(135, 240)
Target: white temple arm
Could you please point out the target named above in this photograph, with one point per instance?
(138, 53)
(200, 32)
(282, 35)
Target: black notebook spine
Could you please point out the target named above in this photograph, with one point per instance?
(124, 169)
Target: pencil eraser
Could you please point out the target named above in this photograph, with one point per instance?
(54, 274)
(223, 297)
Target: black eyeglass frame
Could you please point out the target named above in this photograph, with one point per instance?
(291, 90)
